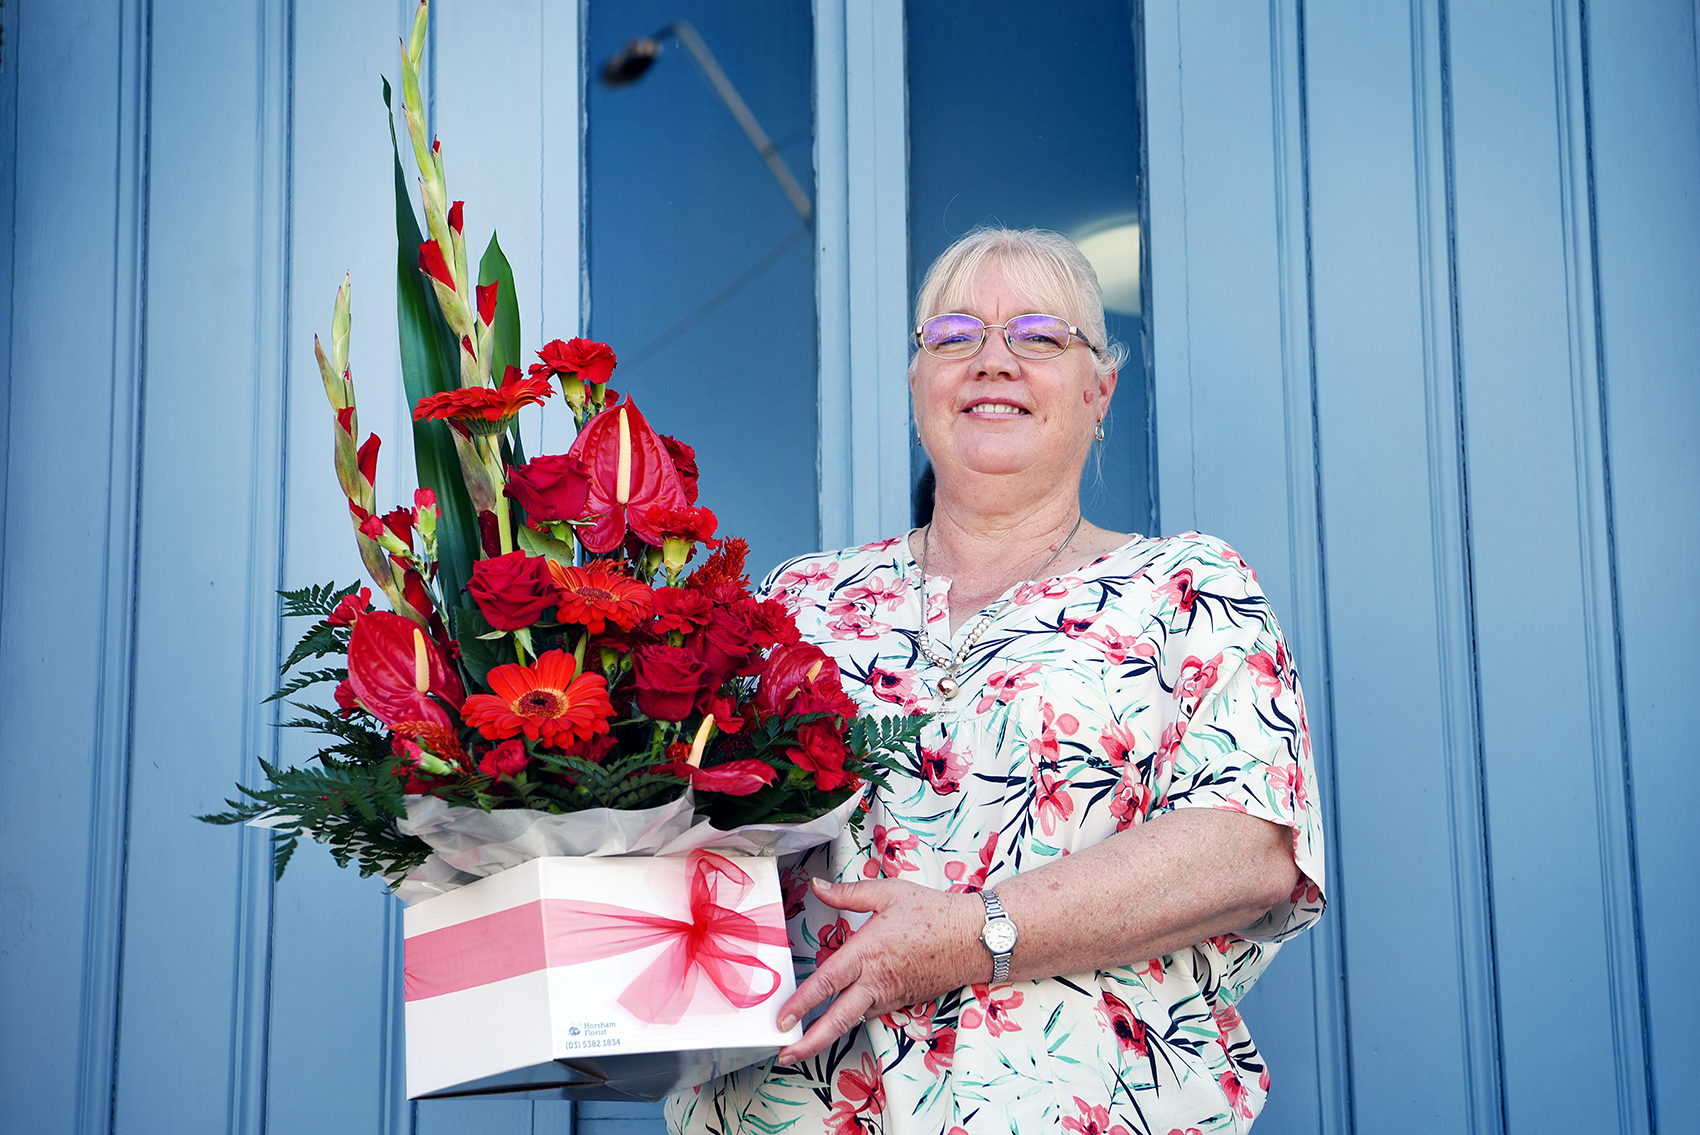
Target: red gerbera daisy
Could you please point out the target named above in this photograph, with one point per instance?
(544, 701)
(592, 597)
(479, 409)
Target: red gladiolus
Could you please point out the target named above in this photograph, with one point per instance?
(351, 608)
(431, 263)
(512, 591)
(584, 359)
(734, 778)
(544, 701)
(551, 487)
(398, 673)
(629, 473)
(475, 404)
(368, 458)
(487, 302)
(592, 597)
(456, 215)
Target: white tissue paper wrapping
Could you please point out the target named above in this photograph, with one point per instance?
(469, 844)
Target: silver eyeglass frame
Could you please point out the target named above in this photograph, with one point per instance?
(987, 328)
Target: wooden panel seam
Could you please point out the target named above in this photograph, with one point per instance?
(1449, 489)
(1309, 629)
(104, 908)
(1613, 785)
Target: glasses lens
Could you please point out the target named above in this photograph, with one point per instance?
(1038, 336)
(952, 336)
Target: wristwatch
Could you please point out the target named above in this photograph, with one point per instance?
(998, 935)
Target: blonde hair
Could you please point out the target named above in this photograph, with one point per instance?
(1042, 267)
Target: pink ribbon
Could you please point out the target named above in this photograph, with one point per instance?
(562, 932)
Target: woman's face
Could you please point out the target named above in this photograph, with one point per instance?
(998, 413)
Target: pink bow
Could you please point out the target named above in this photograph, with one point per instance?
(714, 942)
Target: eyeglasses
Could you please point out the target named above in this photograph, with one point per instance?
(957, 336)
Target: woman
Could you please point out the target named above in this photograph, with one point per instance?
(1045, 923)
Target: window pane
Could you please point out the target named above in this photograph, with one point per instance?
(1047, 102)
(701, 271)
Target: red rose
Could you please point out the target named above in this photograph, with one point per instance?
(685, 461)
(551, 487)
(821, 751)
(513, 590)
(506, 759)
(668, 680)
(728, 644)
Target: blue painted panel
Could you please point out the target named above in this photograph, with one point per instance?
(1394, 841)
(701, 272)
(1532, 656)
(1646, 164)
(67, 538)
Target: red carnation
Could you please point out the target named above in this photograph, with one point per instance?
(507, 759)
(584, 359)
(513, 591)
(351, 608)
(821, 751)
(679, 610)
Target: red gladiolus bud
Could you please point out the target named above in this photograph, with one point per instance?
(436, 145)
(465, 345)
(351, 608)
(372, 527)
(368, 458)
(431, 263)
(489, 534)
(400, 522)
(487, 305)
(455, 215)
(413, 590)
(345, 420)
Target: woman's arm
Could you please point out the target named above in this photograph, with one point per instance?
(1184, 876)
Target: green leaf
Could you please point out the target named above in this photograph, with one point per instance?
(430, 364)
(505, 350)
(538, 543)
(478, 654)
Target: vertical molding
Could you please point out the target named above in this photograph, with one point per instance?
(103, 920)
(560, 204)
(396, 1115)
(862, 165)
(1308, 567)
(1449, 513)
(251, 969)
(1613, 788)
(834, 468)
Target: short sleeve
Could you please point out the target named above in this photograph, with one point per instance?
(1238, 738)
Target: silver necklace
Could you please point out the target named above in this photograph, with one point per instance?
(948, 685)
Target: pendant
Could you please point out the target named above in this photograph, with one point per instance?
(947, 687)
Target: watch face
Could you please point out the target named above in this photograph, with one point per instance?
(999, 936)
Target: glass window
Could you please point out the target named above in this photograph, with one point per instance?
(701, 267)
(1028, 117)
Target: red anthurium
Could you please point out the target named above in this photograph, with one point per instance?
(734, 778)
(630, 472)
(487, 302)
(456, 215)
(398, 673)
(431, 263)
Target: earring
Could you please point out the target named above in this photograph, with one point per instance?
(1098, 430)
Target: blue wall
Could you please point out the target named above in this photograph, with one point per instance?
(1423, 341)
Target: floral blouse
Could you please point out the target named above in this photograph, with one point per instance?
(1154, 678)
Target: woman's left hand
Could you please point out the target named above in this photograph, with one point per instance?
(920, 943)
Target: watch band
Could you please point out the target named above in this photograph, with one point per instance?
(995, 913)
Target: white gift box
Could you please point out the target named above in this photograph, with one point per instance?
(597, 977)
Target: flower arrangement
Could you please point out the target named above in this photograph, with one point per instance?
(545, 646)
